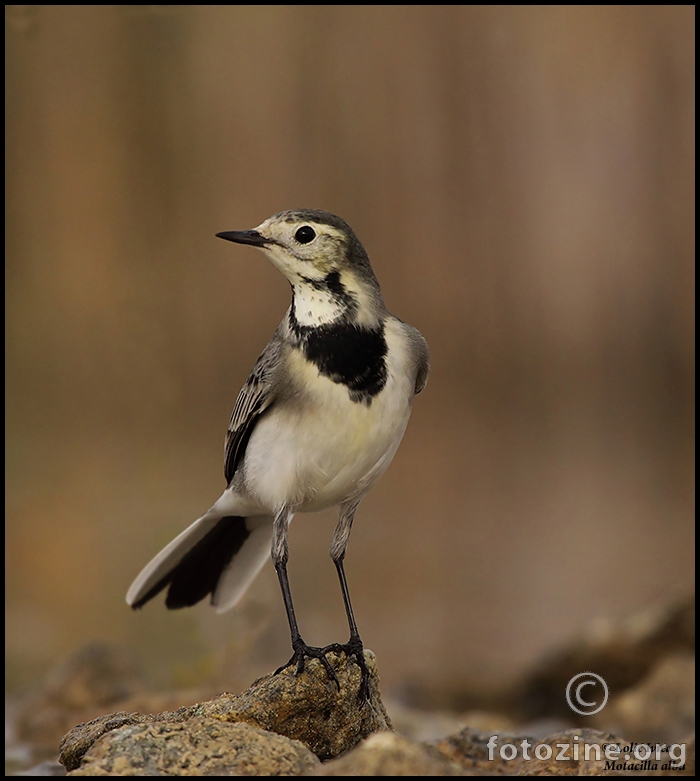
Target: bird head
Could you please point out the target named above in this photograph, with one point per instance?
(317, 250)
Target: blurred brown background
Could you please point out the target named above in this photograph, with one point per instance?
(522, 179)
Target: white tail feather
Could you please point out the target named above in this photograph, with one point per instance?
(171, 555)
(245, 565)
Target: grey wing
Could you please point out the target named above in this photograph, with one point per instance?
(255, 398)
(421, 356)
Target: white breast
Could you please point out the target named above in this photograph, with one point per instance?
(327, 449)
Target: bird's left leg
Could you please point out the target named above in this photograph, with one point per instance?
(339, 545)
(280, 555)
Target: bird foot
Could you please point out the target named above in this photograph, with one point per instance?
(302, 652)
(353, 648)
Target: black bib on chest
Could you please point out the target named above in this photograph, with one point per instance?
(347, 354)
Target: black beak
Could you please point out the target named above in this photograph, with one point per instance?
(244, 237)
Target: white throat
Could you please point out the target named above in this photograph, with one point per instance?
(314, 307)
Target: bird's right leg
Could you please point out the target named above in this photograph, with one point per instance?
(280, 556)
(354, 645)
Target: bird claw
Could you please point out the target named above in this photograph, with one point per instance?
(302, 652)
(353, 648)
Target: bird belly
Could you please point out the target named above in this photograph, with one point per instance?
(322, 448)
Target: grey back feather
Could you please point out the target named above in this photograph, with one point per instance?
(255, 398)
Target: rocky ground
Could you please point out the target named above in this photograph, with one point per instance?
(306, 725)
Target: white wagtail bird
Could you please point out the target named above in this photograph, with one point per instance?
(315, 425)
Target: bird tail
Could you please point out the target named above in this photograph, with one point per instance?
(218, 555)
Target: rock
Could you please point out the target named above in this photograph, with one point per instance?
(542, 728)
(517, 754)
(622, 651)
(661, 708)
(389, 754)
(672, 765)
(308, 708)
(76, 743)
(196, 747)
(568, 754)
(469, 749)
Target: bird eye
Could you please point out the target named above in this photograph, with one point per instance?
(305, 234)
